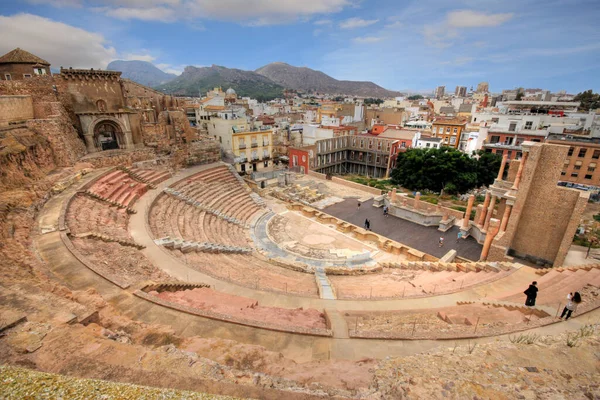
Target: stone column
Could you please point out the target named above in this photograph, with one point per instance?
(394, 195)
(505, 217)
(486, 203)
(520, 171)
(502, 166)
(89, 144)
(417, 199)
(489, 213)
(489, 238)
(465, 224)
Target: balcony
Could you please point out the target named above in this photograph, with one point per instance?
(254, 145)
(265, 144)
(242, 145)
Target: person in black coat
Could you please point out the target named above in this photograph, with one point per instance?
(531, 293)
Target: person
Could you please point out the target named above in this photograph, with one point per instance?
(531, 293)
(573, 301)
(459, 236)
(367, 224)
(441, 242)
(385, 211)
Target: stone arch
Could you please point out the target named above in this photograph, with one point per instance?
(108, 133)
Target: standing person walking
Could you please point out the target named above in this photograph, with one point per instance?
(367, 224)
(531, 293)
(573, 301)
(358, 206)
(459, 236)
(441, 241)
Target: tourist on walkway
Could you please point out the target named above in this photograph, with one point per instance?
(385, 211)
(367, 224)
(531, 293)
(573, 301)
(358, 207)
(441, 242)
(459, 236)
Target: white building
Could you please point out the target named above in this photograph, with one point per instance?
(425, 142)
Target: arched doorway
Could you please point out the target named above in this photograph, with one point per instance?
(107, 135)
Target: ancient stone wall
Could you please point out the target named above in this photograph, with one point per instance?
(87, 88)
(543, 213)
(15, 109)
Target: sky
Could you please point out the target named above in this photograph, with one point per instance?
(400, 45)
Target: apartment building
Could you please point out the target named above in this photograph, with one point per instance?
(253, 150)
(449, 130)
(582, 165)
(362, 155)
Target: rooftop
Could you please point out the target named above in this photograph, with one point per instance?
(19, 56)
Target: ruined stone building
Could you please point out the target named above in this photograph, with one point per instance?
(85, 112)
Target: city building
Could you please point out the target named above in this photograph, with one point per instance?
(253, 150)
(421, 141)
(440, 91)
(19, 64)
(460, 91)
(362, 155)
(449, 130)
(483, 87)
(581, 166)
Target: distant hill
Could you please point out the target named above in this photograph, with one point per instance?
(141, 72)
(195, 80)
(306, 79)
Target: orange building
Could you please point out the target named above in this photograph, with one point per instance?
(449, 130)
(582, 165)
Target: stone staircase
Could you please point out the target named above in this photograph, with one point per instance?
(255, 197)
(443, 266)
(136, 176)
(213, 211)
(538, 311)
(106, 238)
(205, 247)
(108, 201)
(586, 267)
(325, 288)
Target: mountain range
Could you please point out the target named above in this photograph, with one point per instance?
(265, 83)
(142, 72)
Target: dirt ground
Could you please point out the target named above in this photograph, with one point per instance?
(236, 306)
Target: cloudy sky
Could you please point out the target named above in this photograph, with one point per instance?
(415, 44)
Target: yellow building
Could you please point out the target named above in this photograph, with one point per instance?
(253, 150)
(449, 130)
(328, 109)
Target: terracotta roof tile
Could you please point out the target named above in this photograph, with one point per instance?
(18, 56)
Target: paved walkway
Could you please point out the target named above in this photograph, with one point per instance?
(422, 238)
(66, 268)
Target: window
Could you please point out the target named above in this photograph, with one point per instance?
(39, 71)
(7, 77)
(453, 140)
(362, 143)
(512, 127)
(455, 131)
(403, 144)
(448, 130)
(26, 75)
(582, 153)
(377, 160)
(596, 154)
(571, 150)
(474, 119)
(592, 167)
(528, 125)
(588, 177)
(563, 173)
(495, 120)
(427, 145)
(577, 167)
(494, 139)
(266, 164)
(574, 174)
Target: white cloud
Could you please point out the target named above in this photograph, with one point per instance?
(323, 22)
(171, 69)
(353, 23)
(395, 25)
(140, 57)
(475, 19)
(58, 3)
(367, 39)
(60, 44)
(161, 14)
(262, 12)
(441, 35)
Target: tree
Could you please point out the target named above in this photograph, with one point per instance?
(373, 101)
(445, 168)
(589, 100)
(338, 99)
(415, 97)
(519, 96)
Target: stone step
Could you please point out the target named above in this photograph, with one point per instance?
(204, 247)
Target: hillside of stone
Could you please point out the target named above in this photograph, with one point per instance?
(308, 80)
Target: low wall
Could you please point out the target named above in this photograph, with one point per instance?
(119, 157)
(344, 182)
(15, 109)
(234, 320)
